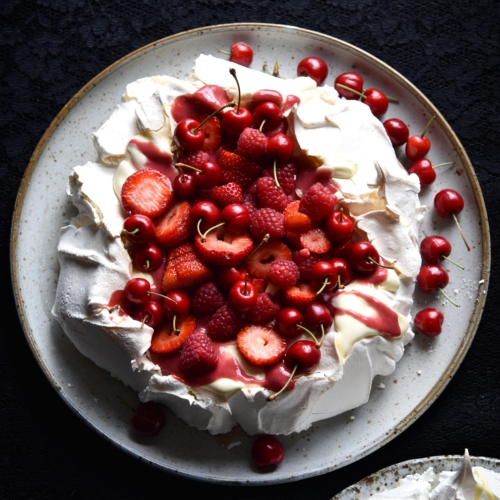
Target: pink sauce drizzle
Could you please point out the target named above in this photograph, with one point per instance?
(290, 102)
(118, 299)
(156, 159)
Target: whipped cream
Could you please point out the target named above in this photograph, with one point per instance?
(340, 137)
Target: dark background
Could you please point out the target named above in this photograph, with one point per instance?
(50, 48)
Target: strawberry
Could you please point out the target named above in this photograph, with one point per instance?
(224, 249)
(299, 296)
(267, 221)
(147, 192)
(264, 310)
(237, 169)
(270, 195)
(295, 221)
(252, 144)
(260, 345)
(206, 300)
(174, 227)
(315, 241)
(317, 202)
(165, 340)
(184, 269)
(227, 194)
(212, 131)
(225, 324)
(198, 354)
(259, 263)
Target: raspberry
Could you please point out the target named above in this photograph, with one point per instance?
(317, 202)
(196, 160)
(224, 324)
(267, 221)
(227, 194)
(270, 195)
(286, 176)
(250, 203)
(284, 273)
(206, 300)
(251, 144)
(305, 263)
(264, 311)
(198, 354)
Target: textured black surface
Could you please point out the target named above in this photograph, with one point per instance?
(50, 48)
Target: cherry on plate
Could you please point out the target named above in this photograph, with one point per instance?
(397, 131)
(429, 321)
(267, 450)
(313, 67)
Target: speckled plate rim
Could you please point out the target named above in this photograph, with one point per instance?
(334, 42)
(387, 478)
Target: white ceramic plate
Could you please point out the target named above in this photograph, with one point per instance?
(389, 477)
(42, 208)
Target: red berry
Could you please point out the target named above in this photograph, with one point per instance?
(429, 321)
(376, 101)
(209, 177)
(260, 262)
(137, 290)
(227, 277)
(147, 257)
(342, 270)
(227, 194)
(252, 144)
(236, 218)
(139, 229)
(295, 221)
(305, 263)
(280, 146)
(242, 296)
(268, 111)
(364, 257)
(314, 67)
(237, 169)
(267, 95)
(164, 339)
(267, 221)
(270, 195)
(267, 450)
(212, 130)
(417, 147)
(189, 135)
(315, 241)
(435, 249)
(432, 277)
(198, 355)
(303, 353)
(448, 202)
(176, 304)
(225, 324)
(151, 313)
(260, 345)
(235, 121)
(287, 320)
(264, 310)
(241, 53)
(316, 314)
(424, 171)
(207, 212)
(206, 300)
(284, 273)
(397, 130)
(148, 419)
(174, 226)
(317, 202)
(352, 80)
(338, 226)
(184, 187)
(323, 276)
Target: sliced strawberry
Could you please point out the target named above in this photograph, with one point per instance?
(295, 221)
(184, 269)
(237, 169)
(212, 131)
(315, 241)
(224, 249)
(174, 227)
(227, 194)
(165, 340)
(259, 263)
(299, 295)
(260, 345)
(147, 192)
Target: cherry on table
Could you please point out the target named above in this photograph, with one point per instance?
(148, 419)
(436, 248)
(240, 53)
(351, 80)
(397, 130)
(418, 146)
(147, 257)
(433, 277)
(313, 67)
(429, 321)
(139, 229)
(267, 450)
(449, 203)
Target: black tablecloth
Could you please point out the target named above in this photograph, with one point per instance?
(51, 48)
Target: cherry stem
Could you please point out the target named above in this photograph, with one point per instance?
(180, 165)
(340, 285)
(275, 173)
(204, 236)
(126, 404)
(322, 336)
(163, 296)
(350, 90)
(461, 233)
(452, 261)
(266, 70)
(325, 282)
(341, 214)
(272, 397)
(198, 228)
(276, 70)
(428, 125)
(444, 293)
(228, 105)
(135, 231)
(233, 73)
(262, 125)
(224, 52)
(392, 99)
(318, 345)
(174, 325)
(443, 164)
(378, 264)
(147, 264)
(146, 317)
(263, 242)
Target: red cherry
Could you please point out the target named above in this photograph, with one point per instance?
(209, 177)
(242, 296)
(435, 248)
(267, 450)
(423, 170)
(236, 217)
(227, 277)
(235, 121)
(137, 290)
(189, 135)
(184, 187)
(148, 419)
(286, 322)
(397, 131)
(147, 257)
(317, 314)
(314, 67)
(303, 353)
(376, 101)
(363, 257)
(342, 250)
(241, 53)
(342, 271)
(151, 313)
(322, 275)
(280, 146)
(448, 202)
(207, 212)
(139, 229)
(176, 303)
(338, 226)
(429, 321)
(431, 277)
(353, 81)
(268, 111)
(418, 146)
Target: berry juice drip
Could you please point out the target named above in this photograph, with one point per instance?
(156, 159)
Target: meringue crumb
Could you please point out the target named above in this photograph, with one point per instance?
(233, 445)
(481, 281)
(381, 386)
(352, 417)
(70, 385)
(419, 372)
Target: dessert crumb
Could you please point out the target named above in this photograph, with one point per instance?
(419, 372)
(381, 386)
(352, 417)
(70, 385)
(233, 444)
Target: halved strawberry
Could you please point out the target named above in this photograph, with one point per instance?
(237, 169)
(184, 269)
(147, 192)
(165, 340)
(174, 227)
(212, 134)
(295, 221)
(299, 295)
(315, 241)
(259, 263)
(227, 194)
(260, 345)
(224, 249)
